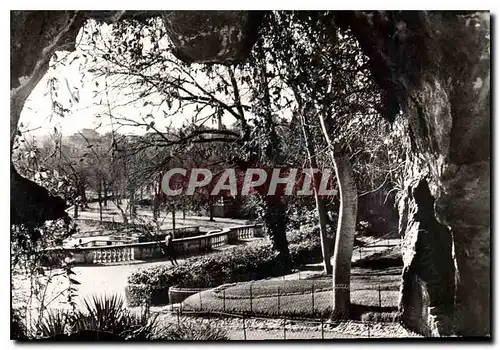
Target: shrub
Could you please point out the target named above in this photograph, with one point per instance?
(305, 244)
(17, 327)
(306, 252)
(244, 263)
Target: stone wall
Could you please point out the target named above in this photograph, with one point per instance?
(435, 67)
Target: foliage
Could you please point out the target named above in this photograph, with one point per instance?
(238, 264)
(18, 329)
(245, 263)
(103, 314)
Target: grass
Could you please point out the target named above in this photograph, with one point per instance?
(266, 288)
(296, 298)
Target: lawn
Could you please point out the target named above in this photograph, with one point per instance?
(371, 291)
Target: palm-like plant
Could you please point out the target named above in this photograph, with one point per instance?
(109, 314)
(100, 314)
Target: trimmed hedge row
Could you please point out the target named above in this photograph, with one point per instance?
(244, 263)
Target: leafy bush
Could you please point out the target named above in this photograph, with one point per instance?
(146, 294)
(308, 251)
(240, 264)
(305, 244)
(244, 263)
(303, 233)
(17, 327)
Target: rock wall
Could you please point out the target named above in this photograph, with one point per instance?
(212, 36)
(435, 67)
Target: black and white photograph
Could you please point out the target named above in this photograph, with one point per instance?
(250, 175)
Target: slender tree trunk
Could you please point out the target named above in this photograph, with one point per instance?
(346, 227)
(173, 220)
(326, 250)
(131, 205)
(275, 216)
(211, 208)
(75, 210)
(154, 210)
(99, 198)
(105, 194)
(320, 203)
(84, 202)
(122, 212)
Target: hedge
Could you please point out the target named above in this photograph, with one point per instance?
(244, 263)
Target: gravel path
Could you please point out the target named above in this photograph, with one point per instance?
(277, 329)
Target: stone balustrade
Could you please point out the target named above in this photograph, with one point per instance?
(122, 253)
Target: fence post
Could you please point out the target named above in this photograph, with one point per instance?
(244, 329)
(178, 317)
(322, 328)
(312, 297)
(284, 327)
(379, 298)
(251, 299)
(224, 300)
(201, 304)
(278, 300)
(360, 252)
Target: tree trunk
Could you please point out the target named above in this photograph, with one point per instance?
(320, 203)
(99, 198)
(173, 220)
(131, 206)
(105, 194)
(275, 220)
(122, 212)
(344, 240)
(84, 202)
(211, 208)
(346, 226)
(275, 216)
(154, 209)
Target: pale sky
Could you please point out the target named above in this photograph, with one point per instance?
(74, 79)
(83, 93)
